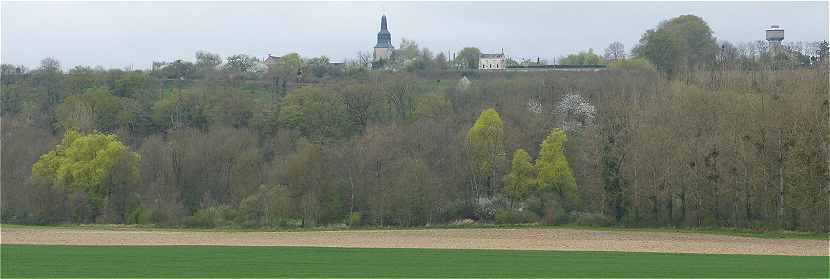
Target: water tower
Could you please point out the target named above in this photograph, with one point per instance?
(775, 34)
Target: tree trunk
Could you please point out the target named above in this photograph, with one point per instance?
(780, 180)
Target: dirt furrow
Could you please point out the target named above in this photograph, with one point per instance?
(515, 239)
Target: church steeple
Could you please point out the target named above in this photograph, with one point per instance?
(384, 37)
(384, 48)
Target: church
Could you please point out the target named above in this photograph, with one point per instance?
(384, 48)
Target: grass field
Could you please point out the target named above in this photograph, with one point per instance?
(259, 262)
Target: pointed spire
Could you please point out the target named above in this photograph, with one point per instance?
(383, 22)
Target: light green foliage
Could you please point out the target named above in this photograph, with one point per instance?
(355, 219)
(486, 139)
(83, 162)
(636, 64)
(682, 43)
(582, 58)
(520, 180)
(553, 171)
(408, 49)
(287, 67)
(316, 112)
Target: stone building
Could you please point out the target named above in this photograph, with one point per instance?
(384, 48)
(271, 60)
(491, 62)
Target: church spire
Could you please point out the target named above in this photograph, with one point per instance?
(384, 37)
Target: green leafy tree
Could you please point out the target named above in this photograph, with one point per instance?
(552, 168)
(519, 181)
(95, 164)
(181, 109)
(207, 63)
(468, 58)
(241, 63)
(582, 58)
(96, 109)
(486, 140)
(440, 62)
(207, 60)
(130, 85)
(267, 206)
(287, 67)
(316, 112)
(178, 69)
(320, 66)
(680, 44)
(408, 49)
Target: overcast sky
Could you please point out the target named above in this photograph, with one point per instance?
(136, 34)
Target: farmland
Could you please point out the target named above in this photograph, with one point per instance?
(501, 239)
(519, 252)
(230, 261)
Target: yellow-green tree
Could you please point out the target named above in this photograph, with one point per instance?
(552, 168)
(486, 140)
(95, 164)
(520, 180)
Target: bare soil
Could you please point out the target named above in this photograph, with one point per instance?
(507, 239)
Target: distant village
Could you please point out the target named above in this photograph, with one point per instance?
(385, 57)
(384, 51)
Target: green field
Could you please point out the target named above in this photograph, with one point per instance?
(259, 262)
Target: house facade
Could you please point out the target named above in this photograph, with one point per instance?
(488, 62)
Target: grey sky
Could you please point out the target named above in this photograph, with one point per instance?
(123, 34)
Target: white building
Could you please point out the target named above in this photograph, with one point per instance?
(491, 62)
(775, 34)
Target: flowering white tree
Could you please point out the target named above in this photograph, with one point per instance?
(575, 112)
(464, 83)
(534, 106)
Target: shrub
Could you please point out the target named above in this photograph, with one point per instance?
(592, 219)
(211, 217)
(555, 215)
(516, 217)
(135, 212)
(635, 64)
(355, 219)
(463, 222)
(265, 207)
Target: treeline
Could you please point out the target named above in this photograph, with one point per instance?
(636, 145)
(728, 149)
